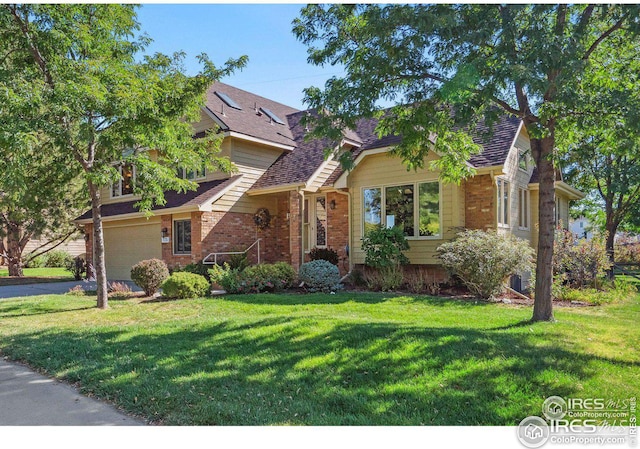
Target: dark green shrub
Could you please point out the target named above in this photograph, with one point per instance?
(328, 254)
(196, 268)
(149, 275)
(254, 279)
(484, 260)
(320, 275)
(36, 262)
(76, 267)
(184, 285)
(384, 247)
(57, 259)
(238, 261)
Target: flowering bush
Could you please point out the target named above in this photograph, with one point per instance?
(579, 264)
(149, 275)
(183, 285)
(320, 275)
(484, 260)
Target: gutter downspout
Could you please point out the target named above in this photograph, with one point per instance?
(301, 255)
(348, 194)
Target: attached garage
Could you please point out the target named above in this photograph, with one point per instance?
(126, 245)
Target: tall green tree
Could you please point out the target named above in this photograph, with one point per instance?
(477, 60)
(36, 201)
(107, 105)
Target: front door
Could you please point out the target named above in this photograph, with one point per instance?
(315, 222)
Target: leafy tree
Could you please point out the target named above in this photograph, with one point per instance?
(35, 200)
(480, 61)
(602, 152)
(107, 106)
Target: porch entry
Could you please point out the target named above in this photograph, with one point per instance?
(314, 223)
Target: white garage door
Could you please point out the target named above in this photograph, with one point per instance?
(126, 246)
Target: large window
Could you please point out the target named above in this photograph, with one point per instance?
(414, 208)
(523, 209)
(503, 202)
(124, 186)
(182, 237)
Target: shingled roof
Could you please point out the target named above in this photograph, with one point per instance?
(204, 192)
(251, 119)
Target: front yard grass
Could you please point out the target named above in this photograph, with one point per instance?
(345, 359)
(35, 275)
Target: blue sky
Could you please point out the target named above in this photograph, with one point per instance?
(277, 67)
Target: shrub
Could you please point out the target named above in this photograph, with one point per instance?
(197, 268)
(183, 285)
(328, 254)
(36, 262)
(419, 280)
(119, 290)
(76, 291)
(484, 260)
(76, 267)
(580, 264)
(238, 261)
(226, 277)
(254, 279)
(384, 247)
(320, 275)
(385, 278)
(57, 259)
(149, 275)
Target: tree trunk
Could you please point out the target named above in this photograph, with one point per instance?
(98, 246)
(14, 250)
(543, 152)
(611, 227)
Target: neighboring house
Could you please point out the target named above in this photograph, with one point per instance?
(581, 228)
(75, 247)
(312, 201)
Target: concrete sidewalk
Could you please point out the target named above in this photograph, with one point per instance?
(50, 288)
(30, 399)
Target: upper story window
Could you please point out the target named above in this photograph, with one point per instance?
(415, 208)
(191, 174)
(125, 185)
(523, 160)
(503, 202)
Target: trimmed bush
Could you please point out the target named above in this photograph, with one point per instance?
(149, 275)
(184, 285)
(320, 275)
(328, 254)
(484, 260)
(254, 279)
(57, 259)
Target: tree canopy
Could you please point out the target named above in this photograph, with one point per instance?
(478, 61)
(106, 103)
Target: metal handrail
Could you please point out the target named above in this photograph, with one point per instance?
(228, 253)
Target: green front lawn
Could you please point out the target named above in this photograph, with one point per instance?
(350, 358)
(35, 275)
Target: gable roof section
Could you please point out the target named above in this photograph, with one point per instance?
(298, 166)
(249, 120)
(205, 193)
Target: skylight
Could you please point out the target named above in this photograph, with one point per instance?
(228, 101)
(272, 116)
